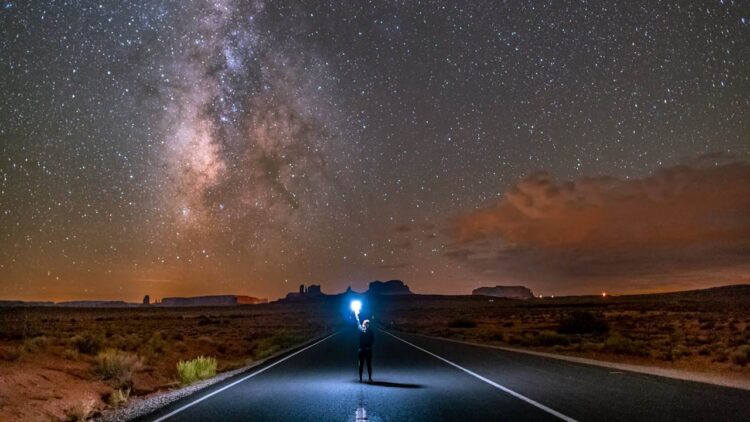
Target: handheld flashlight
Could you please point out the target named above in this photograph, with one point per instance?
(356, 306)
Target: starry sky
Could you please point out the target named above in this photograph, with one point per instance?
(209, 147)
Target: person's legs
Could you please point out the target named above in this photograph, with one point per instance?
(369, 364)
(361, 364)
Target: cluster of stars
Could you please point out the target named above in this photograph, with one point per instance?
(234, 146)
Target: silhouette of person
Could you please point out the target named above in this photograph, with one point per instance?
(366, 340)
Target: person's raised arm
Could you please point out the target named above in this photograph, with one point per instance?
(359, 324)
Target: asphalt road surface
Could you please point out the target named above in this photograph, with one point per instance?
(422, 379)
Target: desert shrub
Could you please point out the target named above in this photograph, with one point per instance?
(514, 339)
(202, 320)
(87, 343)
(36, 344)
(117, 366)
(492, 336)
(551, 338)
(81, 411)
(130, 342)
(71, 354)
(582, 322)
(679, 351)
(617, 343)
(197, 369)
(268, 346)
(741, 356)
(721, 356)
(677, 335)
(156, 343)
(591, 347)
(12, 353)
(118, 396)
(704, 351)
(462, 323)
(707, 325)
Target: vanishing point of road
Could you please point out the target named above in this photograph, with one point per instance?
(425, 379)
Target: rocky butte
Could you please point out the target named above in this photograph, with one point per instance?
(510, 292)
(390, 287)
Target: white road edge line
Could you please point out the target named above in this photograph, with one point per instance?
(490, 382)
(176, 411)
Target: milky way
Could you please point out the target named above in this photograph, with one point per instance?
(199, 147)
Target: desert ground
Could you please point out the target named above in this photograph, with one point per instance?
(704, 330)
(72, 364)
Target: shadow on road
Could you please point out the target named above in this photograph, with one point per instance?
(390, 384)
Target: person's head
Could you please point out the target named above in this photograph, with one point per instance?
(366, 324)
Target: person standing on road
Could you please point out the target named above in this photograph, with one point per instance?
(366, 340)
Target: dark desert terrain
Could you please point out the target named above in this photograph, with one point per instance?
(72, 363)
(68, 364)
(702, 330)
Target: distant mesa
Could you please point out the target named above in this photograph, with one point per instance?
(11, 303)
(510, 292)
(219, 300)
(305, 292)
(390, 287)
(377, 287)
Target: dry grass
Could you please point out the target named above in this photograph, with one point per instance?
(81, 411)
(196, 369)
(701, 332)
(133, 352)
(117, 366)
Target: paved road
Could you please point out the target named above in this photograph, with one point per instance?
(421, 379)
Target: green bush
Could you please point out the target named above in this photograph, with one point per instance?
(88, 343)
(591, 347)
(117, 397)
(582, 322)
(36, 344)
(268, 346)
(680, 351)
(514, 339)
(550, 338)
(721, 356)
(617, 343)
(741, 356)
(81, 411)
(197, 369)
(157, 343)
(12, 353)
(117, 365)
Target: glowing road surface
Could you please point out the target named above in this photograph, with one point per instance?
(421, 379)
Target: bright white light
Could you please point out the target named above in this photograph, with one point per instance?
(356, 306)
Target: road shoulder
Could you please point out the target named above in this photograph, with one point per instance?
(154, 403)
(678, 374)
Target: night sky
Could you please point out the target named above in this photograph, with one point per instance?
(207, 147)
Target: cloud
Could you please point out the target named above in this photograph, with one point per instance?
(673, 224)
